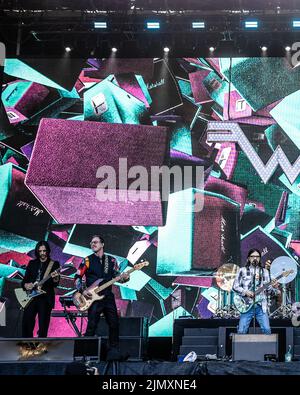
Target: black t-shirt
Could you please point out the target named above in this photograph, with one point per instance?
(105, 268)
(35, 272)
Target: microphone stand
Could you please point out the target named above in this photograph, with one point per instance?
(254, 286)
(254, 281)
(173, 314)
(260, 277)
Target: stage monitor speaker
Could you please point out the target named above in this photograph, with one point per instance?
(253, 347)
(50, 349)
(132, 349)
(129, 326)
(133, 337)
(14, 314)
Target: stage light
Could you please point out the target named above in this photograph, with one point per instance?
(264, 48)
(166, 49)
(198, 25)
(211, 49)
(251, 24)
(68, 49)
(100, 25)
(296, 23)
(287, 48)
(153, 25)
(114, 49)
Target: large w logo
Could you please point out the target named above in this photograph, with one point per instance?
(231, 132)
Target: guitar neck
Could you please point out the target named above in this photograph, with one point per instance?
(111, 282)
(265, 286)
(40, 283)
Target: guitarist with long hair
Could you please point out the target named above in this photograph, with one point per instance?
(41, 306)
(94, 267)
(247, 281)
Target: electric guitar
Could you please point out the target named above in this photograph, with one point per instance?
(245, 303)
(25, 297)
(84, 302)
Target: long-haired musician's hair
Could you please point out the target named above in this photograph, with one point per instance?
(259, 263)
(250, 253)
(42, 243)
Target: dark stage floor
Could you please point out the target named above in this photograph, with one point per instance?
(155, 368)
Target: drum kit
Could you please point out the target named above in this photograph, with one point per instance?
(226, 275)
(279, 265)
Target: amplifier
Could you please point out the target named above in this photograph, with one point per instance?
(14, 315)
(133, 333)
(247, 347)
(128, 326)
(131, 348)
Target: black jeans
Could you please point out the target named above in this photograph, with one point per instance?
(108, 307)
(38, 306)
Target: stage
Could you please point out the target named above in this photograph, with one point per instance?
(154, 368)
(214, 336)
(211, 339)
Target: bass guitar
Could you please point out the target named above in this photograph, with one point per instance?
(245, 303)
(83, 301)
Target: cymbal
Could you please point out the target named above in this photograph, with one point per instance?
(225, 276)
(282, 264)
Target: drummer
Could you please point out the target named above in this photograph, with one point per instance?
(281, 306)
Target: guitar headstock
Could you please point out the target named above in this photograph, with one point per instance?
(287, 273)
(65, 267)
(268, 264)
(139, 266)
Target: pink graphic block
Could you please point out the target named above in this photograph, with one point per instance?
(200, 93)
(225, 188)
(195, 281)
(64, 164)
(235, 106)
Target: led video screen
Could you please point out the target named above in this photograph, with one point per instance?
(235, 119)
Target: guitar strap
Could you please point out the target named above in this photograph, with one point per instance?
(48, 270)
(87, 262)
(106, 263)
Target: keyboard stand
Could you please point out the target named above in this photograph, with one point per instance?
(73, 323)
(66, 302)
(71, 317)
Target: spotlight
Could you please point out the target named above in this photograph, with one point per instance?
(114, 49)
(153, 25)
(100, 25)
(296, 23)
(166, 49)
(198, 25)
(264, 48)
(67, 49)
(287, 48)
(251, 24)
(211, 49)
